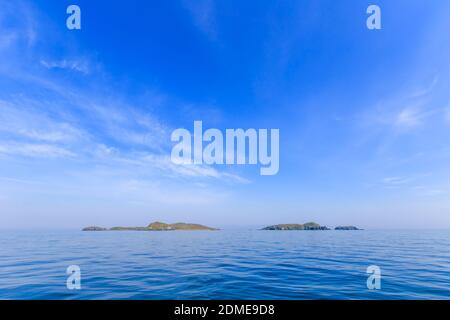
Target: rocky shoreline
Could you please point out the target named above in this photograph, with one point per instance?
(156, 226)
(161, 226)
(309, 226)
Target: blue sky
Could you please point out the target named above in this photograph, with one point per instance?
(86, 116)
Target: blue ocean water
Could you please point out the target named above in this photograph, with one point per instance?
(227, 264)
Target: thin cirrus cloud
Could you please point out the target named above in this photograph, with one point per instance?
(34, 150)
(396, 181)
(404, 112)
(203, 14)
(29, 123)
(17, 24)
(77, 132)
(75, 125)
(411, 117)
(81, 66)
(28, 132)
(7, 39)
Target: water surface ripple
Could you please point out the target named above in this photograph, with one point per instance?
(227, 264)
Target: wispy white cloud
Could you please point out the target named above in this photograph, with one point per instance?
(396, 181)
(408, 117)
(160, 165)
(414, 181)
(7, 39)
(203, 14)
(195, 171)
(411, 117)
(17, 24)
(403, 113)
(34, 150)
(18, 118)
(142, 192)
(128, 125)
(61, 141)
(81, 66)
(425, 90)
(427, 191)
(117, 136)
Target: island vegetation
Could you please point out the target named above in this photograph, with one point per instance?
(295, 226)
(94, 229)
(351, 228)
(161, 226)
(157, 226)
(307, 226)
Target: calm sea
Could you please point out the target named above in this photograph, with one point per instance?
(239, 264)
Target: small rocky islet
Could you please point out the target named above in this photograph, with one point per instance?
(296, 226)
(311, 226)
(157, 226)
(347, 228)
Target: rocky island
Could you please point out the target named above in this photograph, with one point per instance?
(294, 226)
(94, 229)
(157, 226)
(352, 228)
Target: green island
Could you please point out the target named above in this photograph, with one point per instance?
(157, 226)
(296, 226)
(306, 226)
